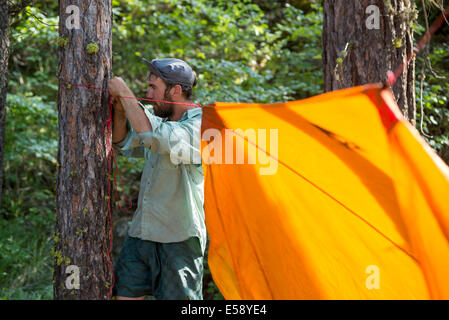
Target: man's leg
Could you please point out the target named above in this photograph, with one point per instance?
(133, 278)
(128, 298)
(181, 270)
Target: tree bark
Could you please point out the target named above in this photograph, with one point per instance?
(369, 53)
(83, 226)
(4, 54)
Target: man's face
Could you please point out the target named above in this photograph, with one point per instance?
(156, 91)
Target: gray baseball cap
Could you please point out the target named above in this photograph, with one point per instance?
(171, 70)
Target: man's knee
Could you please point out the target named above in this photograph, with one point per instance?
(129, 298)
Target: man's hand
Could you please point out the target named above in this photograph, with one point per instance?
(117, 87)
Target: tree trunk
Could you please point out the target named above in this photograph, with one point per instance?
(370, 51)
(4, 53)
(83, 226)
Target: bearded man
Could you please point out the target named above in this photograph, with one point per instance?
(163, 253)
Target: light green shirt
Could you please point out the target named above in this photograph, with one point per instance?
(171, 196)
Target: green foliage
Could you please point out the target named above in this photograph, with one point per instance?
(235, 53)
(435, 103)
(33, 54)
(31, 131)
(296, 58)
(27, 210)
(25, 257)
(435, 85)
(30, 156)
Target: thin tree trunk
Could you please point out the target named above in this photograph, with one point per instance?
(4, 54)
(83, 228)
(369, 53)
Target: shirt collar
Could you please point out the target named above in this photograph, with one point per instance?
(191, 113)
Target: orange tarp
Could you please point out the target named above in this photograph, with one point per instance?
(338, 197)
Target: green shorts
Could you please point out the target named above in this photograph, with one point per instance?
(167, 271)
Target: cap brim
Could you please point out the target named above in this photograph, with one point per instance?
(152, 68)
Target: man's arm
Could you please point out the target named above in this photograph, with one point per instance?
(123, 133)
(133, 112)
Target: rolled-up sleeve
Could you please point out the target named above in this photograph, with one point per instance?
(180, 139)
(128, 147)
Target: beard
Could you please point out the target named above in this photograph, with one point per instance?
(162, 109)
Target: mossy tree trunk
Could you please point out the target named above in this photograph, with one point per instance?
(4, 54)
(83, 228)
(370, 52)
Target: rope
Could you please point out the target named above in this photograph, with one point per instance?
(145, 99)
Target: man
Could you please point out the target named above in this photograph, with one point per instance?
(163, 253)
